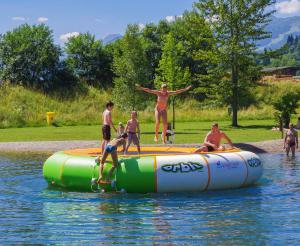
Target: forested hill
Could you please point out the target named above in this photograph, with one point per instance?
(287, 55)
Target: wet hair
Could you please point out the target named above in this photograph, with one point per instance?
(215, 124)
(123, 135)
(109, 104)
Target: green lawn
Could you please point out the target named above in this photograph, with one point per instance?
(186, 132)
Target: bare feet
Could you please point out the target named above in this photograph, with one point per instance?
(155, 139)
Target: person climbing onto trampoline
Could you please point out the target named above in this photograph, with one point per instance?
(111, 148)
(161, 107)
(291, 140)
(133, 130)
(107, 124)
(212, 141)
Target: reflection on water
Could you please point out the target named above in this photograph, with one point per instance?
(265, 214)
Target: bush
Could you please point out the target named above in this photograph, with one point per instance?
(286, 105)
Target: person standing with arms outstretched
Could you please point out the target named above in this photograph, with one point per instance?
(161, 107)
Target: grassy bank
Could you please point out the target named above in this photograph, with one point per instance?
(21, 107)
(186, 132)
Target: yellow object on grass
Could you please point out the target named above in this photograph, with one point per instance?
(50, 117)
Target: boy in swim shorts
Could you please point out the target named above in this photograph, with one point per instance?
(107, 124)
(133, 130)
(212, 141)
(111, 148)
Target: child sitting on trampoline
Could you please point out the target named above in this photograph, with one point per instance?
(133, 130)
(111, 148)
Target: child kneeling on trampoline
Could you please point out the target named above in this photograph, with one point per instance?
(111, 148)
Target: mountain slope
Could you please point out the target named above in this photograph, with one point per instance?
(280, 28)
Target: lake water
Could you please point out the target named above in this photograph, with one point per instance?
(265, 214)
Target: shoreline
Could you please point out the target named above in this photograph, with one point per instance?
(49, 147)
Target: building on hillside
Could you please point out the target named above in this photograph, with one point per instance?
(281, 72)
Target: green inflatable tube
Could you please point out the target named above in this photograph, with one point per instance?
(76, 173)
(159, 171)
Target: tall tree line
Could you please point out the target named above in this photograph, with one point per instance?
(212, 47)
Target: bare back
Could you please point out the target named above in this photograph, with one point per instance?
(106, 116)
(117, 142)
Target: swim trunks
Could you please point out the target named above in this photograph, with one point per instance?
(210, 149)
(106, 132)
(109, 149)
(291, 144)
(132, 137)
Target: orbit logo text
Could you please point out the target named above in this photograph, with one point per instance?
(183, 167)
(254, 162)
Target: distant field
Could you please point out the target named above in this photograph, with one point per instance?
(185, 132)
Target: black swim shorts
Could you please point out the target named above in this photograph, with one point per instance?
(210, 149)
(106, 132)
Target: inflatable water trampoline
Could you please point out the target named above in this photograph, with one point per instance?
(157, 169)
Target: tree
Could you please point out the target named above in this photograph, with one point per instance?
(153, 42)
(170, 69)
(89, 60)
(237, 26)
(199, 45)
(285, 106)
(29, 56)
(130, 67)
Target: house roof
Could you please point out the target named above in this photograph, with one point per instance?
(274, 69)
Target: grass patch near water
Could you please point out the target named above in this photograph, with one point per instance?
(185, 132)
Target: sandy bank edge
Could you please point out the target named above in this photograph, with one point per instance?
(271, 146)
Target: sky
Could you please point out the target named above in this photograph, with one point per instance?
(101, 17)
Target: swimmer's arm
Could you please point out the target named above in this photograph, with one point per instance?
(155, 92)
(284, 140)
(227, 139)
(124, 145)
(207, 143)
(111, 122)
(180, 91)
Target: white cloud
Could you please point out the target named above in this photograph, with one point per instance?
(42, 19)
(18, 18)
(65, 37)
(141, 26)
(170, 18)
(288, 7)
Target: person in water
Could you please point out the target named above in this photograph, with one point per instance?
(107, 124)
(111, 148)
(133, 130)
(161, 107)
(212, 141)
(290, 140)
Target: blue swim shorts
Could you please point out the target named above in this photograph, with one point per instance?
(110, 148)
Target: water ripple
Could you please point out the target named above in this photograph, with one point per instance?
(264, 214)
